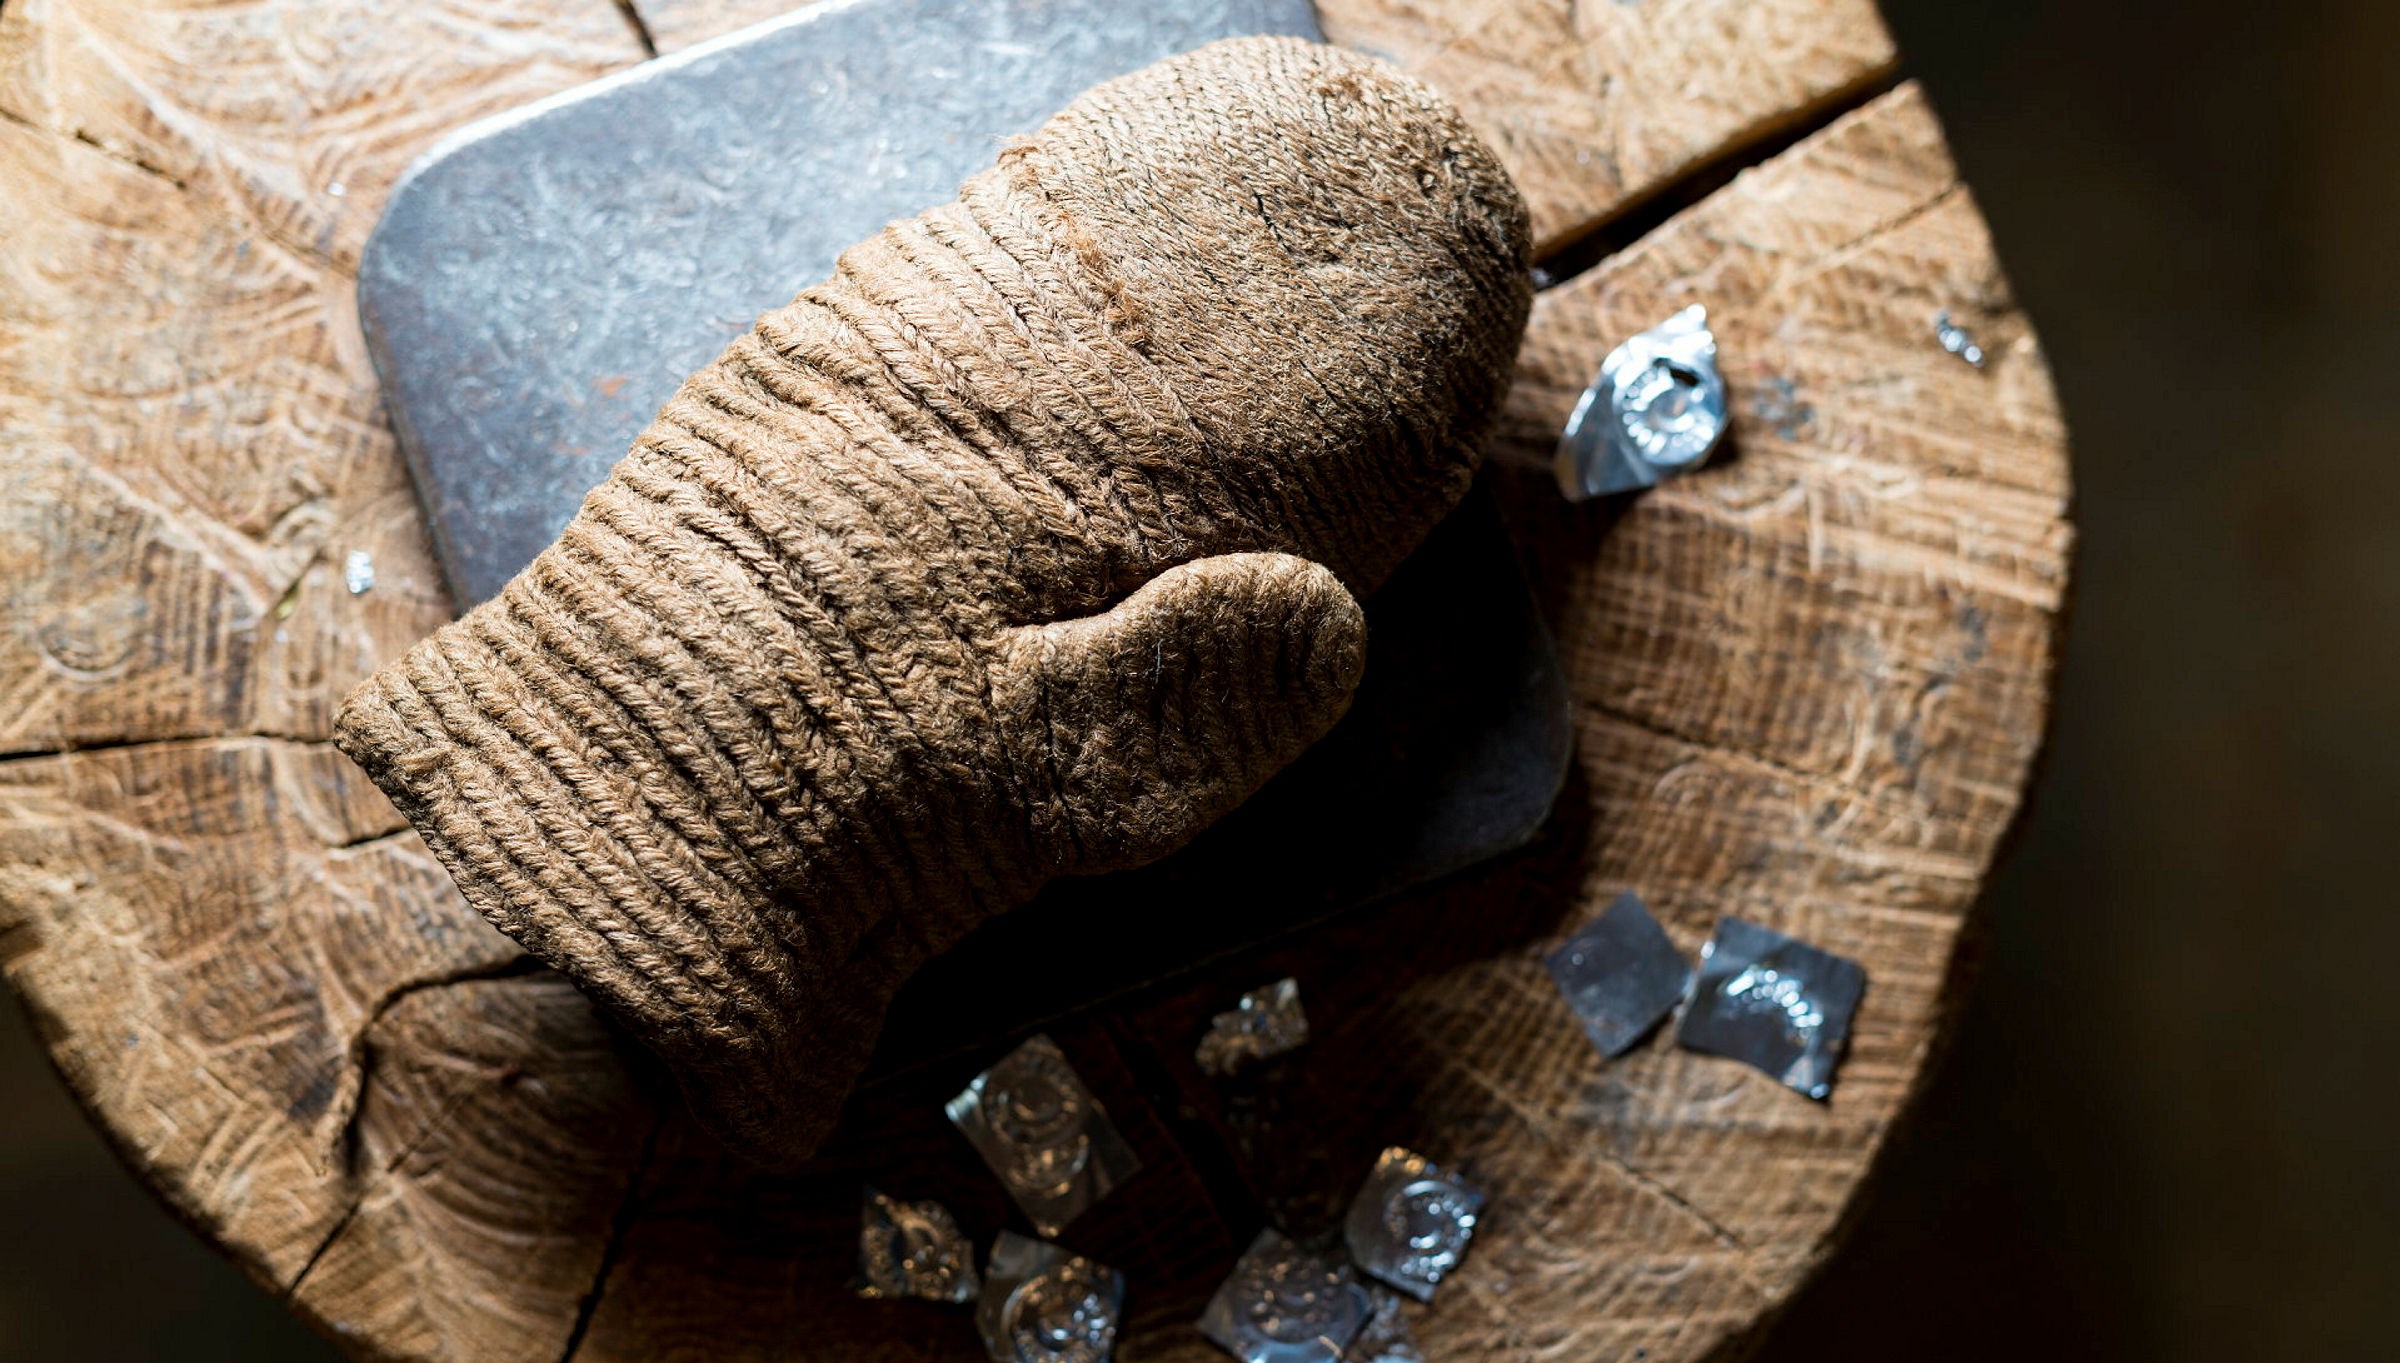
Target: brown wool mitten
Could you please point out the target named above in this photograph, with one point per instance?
(1025, 546)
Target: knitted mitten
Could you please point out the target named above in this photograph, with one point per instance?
(1025, 546)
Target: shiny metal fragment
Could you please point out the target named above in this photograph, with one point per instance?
(1656, 410)
(1777, 1004)
(1266, 1023)
(1045, 1136)
(1286, 1304)
(1411, 1222)
(1620, 974)
(358, 572)
(1386, 1338)
(1954, 338)
(1041, 1304)
(913, 1249)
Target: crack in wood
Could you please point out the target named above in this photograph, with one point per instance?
(128, 158)
(291, 1290)
(11, 756)
(640, 27)
(371, 839)
(226, 210)
(78, 135)
(288, 600)
(348, 1138)
(1586, 246)
(620, 1229)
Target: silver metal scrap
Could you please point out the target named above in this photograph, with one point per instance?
(1411, 1222)
(1041, 1304)
(1265, 1023)
(358, 572)
(1620, 974)
(1657, 409)
(1286, 1304)
(913, 1249)
(1386, 1338)
(1044, 1134)
(1774, 1003)
(1954, 338)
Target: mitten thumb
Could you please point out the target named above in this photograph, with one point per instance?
(1136, 728)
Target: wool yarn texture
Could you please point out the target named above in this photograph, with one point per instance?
(1027, 545)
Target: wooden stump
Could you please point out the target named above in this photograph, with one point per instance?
(1810, 685)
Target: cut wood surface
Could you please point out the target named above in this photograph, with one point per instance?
(1810, 685)
(1593, 102)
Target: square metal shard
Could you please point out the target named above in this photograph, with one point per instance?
(1286, 1304)
(1041, 1304)
(1774, 1003)
(1411, 1222)
(1044, 1134)
(1621, 974)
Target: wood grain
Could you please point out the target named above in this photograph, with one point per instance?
(1810, 685)
(195, 436)
(1593, 104)
(291, 120)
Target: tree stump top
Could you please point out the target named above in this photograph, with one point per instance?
(1810, 684)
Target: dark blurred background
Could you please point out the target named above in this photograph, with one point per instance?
(2167, 1127)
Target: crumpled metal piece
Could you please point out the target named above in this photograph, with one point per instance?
(1286, 1304)
(913, 1249)
(1774, 1003)
(1954, 338)
(1620, 974)
(1266, 1023)
(1386, 1338)
(1041, 1304)
(1656, 410)
(1044, 1134)
(1411, 1222)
